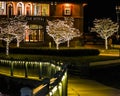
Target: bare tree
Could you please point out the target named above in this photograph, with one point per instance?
(105, 28)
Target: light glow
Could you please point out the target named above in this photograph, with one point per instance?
(67, 5)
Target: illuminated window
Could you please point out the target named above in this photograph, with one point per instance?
(41, 9)
(67, 9)
(2, 8)
(28, 9)
(45, 9)
(19, 9)
(36, 34)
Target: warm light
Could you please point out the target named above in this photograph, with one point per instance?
(54, 89)
(117, 7)
(52, 80)
(39, 88)
(84, 4)
(67, 5)
(50, 93)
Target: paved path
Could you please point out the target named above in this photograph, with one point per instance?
(105, 62)
(85, 87)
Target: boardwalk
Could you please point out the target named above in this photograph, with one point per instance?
(85, 87)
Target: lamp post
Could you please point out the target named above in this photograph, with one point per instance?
(118, 13)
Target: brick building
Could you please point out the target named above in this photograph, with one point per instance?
(37, 12)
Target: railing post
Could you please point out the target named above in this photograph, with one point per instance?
(49, 69)
(40, 70)
(12, 64)
(26, 69)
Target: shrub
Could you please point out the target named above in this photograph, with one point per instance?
(54, 52)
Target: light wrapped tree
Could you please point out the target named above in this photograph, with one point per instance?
(105, 28)
(54, 29)
(71, 32)
(62, 31)
(20, 24)
(12, 28)
(7, 36)
(20, 32)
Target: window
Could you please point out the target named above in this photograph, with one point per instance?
(36, 34)
(67, 10)
(2, 8)
(19, 9)
(10, 10)
(41, 9)
(28, 9)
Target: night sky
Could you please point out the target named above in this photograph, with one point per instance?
(99, 9)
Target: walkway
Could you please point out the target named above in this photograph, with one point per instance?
(85, 87)
(107, 62)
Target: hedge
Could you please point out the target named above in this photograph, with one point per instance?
(55, 52)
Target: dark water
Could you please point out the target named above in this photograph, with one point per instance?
(108, 75)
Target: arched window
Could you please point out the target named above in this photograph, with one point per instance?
(28, 9)
(19, 9)
(10, 10)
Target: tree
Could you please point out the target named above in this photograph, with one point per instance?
(62, 31)
(54, 29)
(12, 28)
(20, 32)
(7, 36)
(20, 24)
(71, 32)
(105, 28)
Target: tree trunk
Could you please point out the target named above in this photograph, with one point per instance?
(18, 43)
(7, 48)
(57, 46)
(68, 43)
(106, 43)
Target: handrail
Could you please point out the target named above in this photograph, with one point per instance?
(50, 72)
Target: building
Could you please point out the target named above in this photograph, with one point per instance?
(37, 12)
